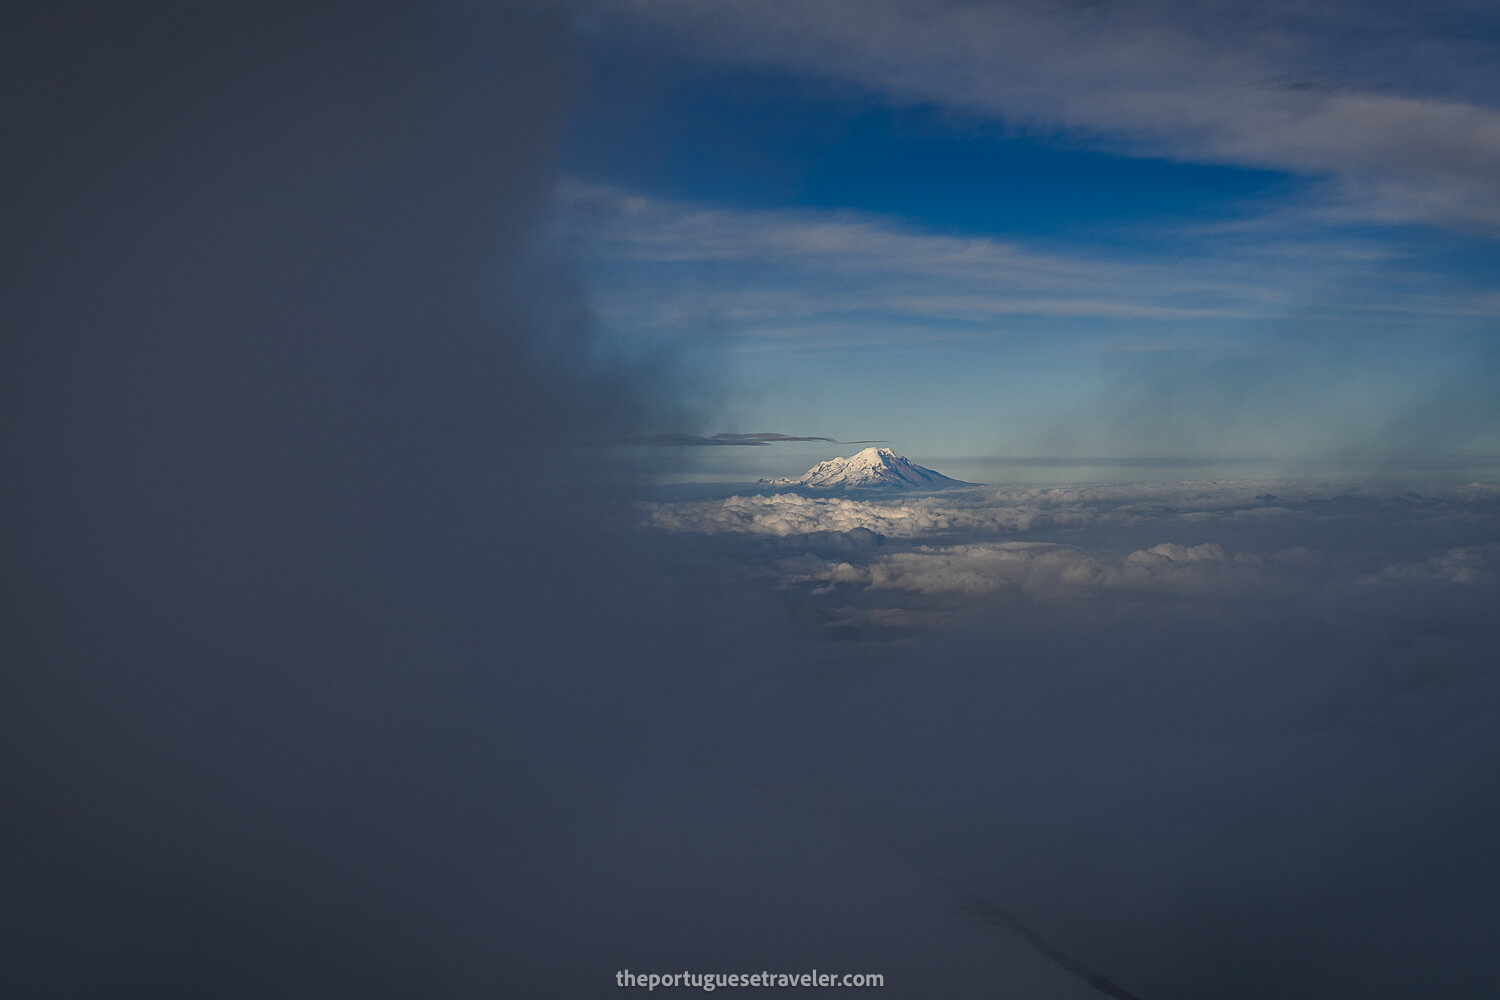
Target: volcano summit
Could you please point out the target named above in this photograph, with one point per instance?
(871, 469)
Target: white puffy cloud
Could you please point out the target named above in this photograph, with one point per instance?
(1044, 569)
(1017, 509)
(1211, 538)
(785, 514)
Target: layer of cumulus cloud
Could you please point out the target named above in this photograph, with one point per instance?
(1212, 540)
(1040, 569)
(1024, 508)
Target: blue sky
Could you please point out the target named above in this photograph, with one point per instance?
(978, 229)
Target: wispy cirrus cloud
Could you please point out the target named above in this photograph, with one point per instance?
(1396, 107)
(802, 279)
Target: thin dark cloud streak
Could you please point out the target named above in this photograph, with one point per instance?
(729, 440)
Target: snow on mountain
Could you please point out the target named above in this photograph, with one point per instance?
(873, 468)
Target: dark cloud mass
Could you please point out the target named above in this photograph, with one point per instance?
(323, 681)
(275, 671)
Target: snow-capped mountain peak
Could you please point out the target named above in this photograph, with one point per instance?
(873, 468)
